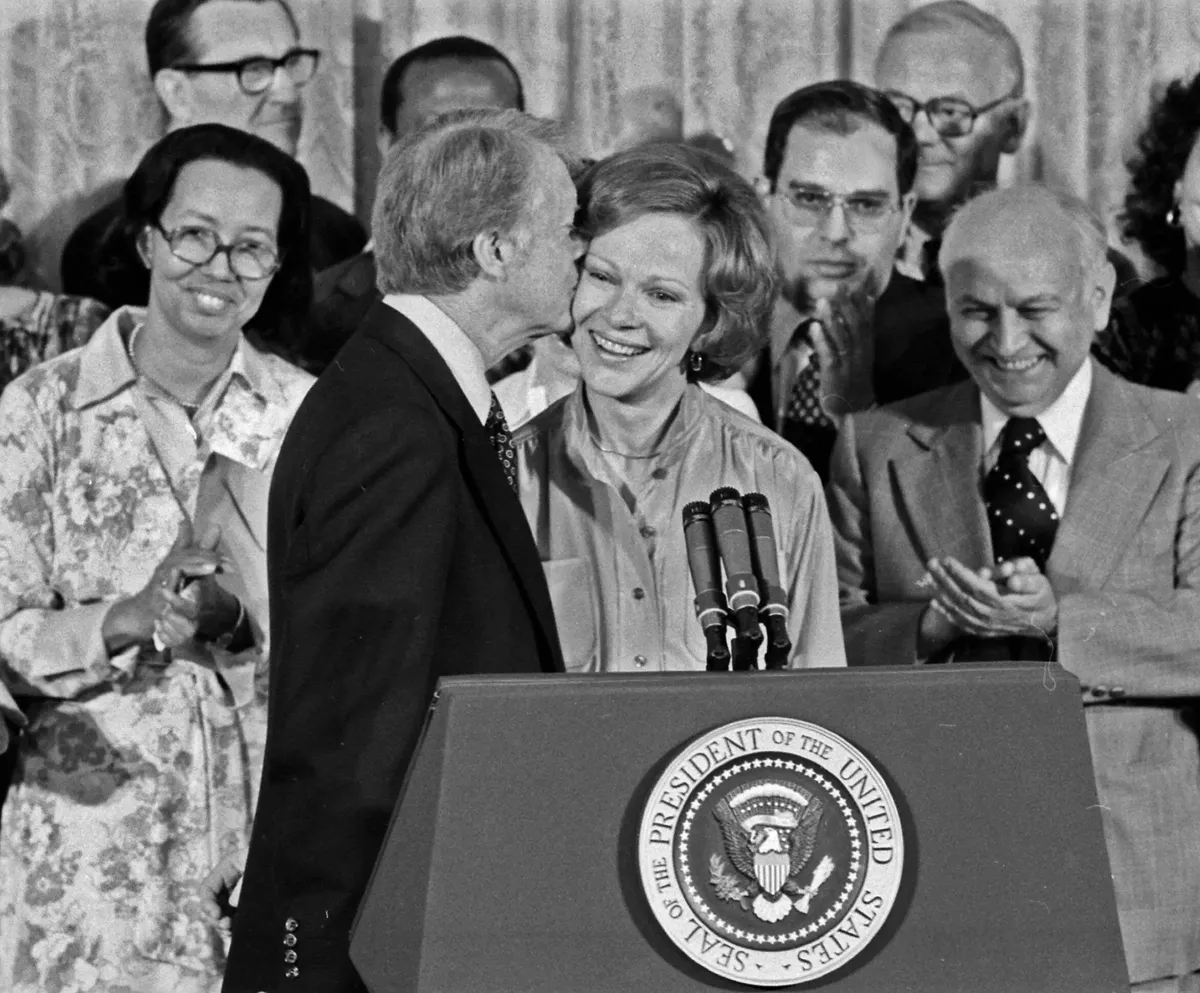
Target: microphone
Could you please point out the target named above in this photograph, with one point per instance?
(774, 609)
(705, 567)
(741, 587)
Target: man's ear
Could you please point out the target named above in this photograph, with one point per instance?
(1103, 284)
(495, 253)
(1018, 121)
(174, 92)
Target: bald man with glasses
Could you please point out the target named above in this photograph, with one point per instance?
(234, 62)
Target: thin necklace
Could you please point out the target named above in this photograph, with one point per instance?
(190, 408)
(623, 455)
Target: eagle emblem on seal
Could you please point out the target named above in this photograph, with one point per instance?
(769, 828)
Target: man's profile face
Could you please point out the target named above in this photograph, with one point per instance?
(821, 254)
(230, 30)
(928, 64)
(438, 86)
(544, 275)
(1024, 309)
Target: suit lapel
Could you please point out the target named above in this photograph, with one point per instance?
(484, 473)
(939, 482)
(1115, 475)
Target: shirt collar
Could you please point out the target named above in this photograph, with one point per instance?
(456, 349)
(582, 449)
(1061, 421)
(105, 367)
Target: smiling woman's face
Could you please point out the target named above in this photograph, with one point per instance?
(638, 307)
(237, 204)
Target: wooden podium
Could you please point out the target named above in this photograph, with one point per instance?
(511, 863)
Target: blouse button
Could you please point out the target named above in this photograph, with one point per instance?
(659, 473)
(639, 660)
(647, 531)
(639, 593)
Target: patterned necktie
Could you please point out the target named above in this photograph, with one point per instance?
(804, 404)
(501, 439)
(1022, 519)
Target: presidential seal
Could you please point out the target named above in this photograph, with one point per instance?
(771, 851)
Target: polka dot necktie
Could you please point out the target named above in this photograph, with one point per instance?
(804, 404)
(501, 438)
(1022, 519)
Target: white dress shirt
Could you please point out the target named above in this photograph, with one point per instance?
(452, 344)
(1051, 461)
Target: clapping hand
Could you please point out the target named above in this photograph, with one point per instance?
(216, 891)
(844, 341)
(180, 600)
(1014, 598)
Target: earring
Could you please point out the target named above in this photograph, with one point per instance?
(1173, 216)
(696, 361)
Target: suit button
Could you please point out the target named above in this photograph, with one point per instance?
(291, 973)
(659, 473)
(289, 956)
(1117, 692)
(639, 660)
(1099, 691)
(639, 593)
(290, 924)
(289, 940)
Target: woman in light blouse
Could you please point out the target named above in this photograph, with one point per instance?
(676, 289)
(133, 488)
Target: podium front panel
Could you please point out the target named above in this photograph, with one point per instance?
(512, 863)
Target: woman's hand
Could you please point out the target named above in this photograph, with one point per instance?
(166, 605)
(217, 888)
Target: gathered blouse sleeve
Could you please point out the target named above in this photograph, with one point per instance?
(48, 646)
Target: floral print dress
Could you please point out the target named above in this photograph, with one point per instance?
(137, 772)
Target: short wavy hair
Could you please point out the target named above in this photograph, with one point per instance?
(281, 318)
(465, 172)
(1155, 167)
(740, 279)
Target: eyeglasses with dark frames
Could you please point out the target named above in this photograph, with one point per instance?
(950, 117)
(255, 75)
(809, 206)
(198, 246)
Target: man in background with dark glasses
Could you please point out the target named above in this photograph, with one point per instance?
(234, 62)
(956, 75)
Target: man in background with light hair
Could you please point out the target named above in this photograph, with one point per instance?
(1047, 510)
(956, 75)
(398, 552)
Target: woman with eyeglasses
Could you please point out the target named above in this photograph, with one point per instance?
(675, 290)
(133, 482)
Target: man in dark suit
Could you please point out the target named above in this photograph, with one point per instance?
(442, 75)
(235, 62)
(1047, 509)
(397, 550)
(848, 331)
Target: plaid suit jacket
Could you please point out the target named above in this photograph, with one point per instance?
(906, 486)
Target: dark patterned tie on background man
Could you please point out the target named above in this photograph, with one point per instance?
(804, 403)
(1021, 516)
(501, 438)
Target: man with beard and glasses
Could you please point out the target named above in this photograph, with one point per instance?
(234, 62)
(1047, 510)
(837, 181)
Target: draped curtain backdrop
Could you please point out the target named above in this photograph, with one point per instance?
(78, 109)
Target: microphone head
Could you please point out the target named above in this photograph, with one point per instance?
(694, 512)
(755, 501)
(725, 495)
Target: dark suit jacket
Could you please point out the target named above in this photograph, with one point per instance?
(342, 295)
(1125, 567)
(397, 553)
(98, 264)
(913, 354)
